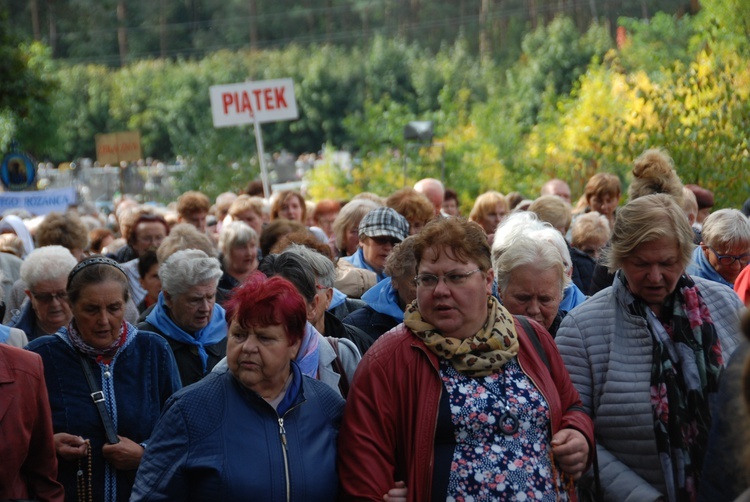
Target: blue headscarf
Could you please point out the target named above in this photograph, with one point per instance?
(214, 332)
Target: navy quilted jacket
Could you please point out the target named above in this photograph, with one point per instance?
(219, 441)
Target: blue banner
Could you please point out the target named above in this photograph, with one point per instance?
(39, 203)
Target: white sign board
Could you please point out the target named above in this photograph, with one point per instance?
(42, 202)
(251, 102)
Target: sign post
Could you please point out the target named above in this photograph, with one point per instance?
(254, 103)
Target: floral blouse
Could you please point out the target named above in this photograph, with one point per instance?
(490, 462)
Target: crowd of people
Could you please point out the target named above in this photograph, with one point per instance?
(381, 348)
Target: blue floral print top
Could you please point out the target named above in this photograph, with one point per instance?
(489, 463)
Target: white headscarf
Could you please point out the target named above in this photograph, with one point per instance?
(16, 225)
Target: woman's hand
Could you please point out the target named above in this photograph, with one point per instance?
(571, 451)
(397, 493)
(70, 447)
(125, 455)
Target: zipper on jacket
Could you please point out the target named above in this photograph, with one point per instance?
(282, 435)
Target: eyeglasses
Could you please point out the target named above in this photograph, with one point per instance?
(382, 241)
(728, 259)
(430, 281)
(48, 297)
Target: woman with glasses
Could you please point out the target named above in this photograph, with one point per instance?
(646, 355)
(463, 399)
(725, 249)
(45, 273)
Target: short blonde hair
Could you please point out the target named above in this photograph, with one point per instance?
(553, 210)
(647, 219)
(588, 226)
(486, 203)
(244, 203)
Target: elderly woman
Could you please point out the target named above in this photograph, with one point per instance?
(289, 205)
(147, 233)
(490, 209)
(100, 442)
(346, 225)
(527, 224)
(324, 320)
(379, 231)
(187, 315)
(238, 244)
(260, 431)
(317, 357)
(589, 235)
(387, 300)
(247, 209)
(531, 279)
(12, 224)
(646, 355)
(45, 273)
(725, 249)
(460, 396)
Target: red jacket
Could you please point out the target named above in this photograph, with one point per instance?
(27, 448)
(388, 430)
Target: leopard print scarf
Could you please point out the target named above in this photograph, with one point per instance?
(483, 354)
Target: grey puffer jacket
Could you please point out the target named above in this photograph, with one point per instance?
(608, 353)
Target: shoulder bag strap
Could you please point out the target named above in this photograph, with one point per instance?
(531, 333)
(98, 397)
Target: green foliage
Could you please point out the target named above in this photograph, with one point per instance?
(698, 113)
(25, 88)
(657, 42)
(727, 23)
(554, 57)
(568, 107)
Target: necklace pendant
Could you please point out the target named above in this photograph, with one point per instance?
(107, 374)
(509, 423)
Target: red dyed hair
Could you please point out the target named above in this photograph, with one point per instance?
(265, 302)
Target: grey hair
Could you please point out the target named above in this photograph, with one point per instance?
(322, 266)
(726, 228)
(235, 234)
(528, 224)
(554, 237)
(294, 269)
(47, 263)
(187, 268)
(526, 250)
